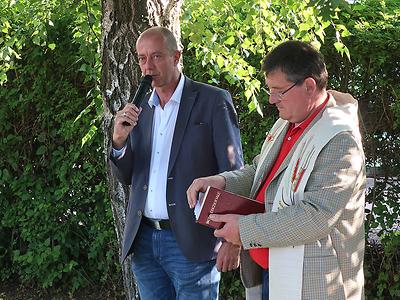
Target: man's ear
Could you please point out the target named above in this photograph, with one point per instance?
(311, 85)
(177, 56)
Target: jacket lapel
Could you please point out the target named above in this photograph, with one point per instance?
(267, 161)
(188, 99)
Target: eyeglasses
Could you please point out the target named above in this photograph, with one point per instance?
(280, 95)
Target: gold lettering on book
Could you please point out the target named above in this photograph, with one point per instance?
(213, 206)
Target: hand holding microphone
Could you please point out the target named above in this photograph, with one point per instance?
(127, 118)
(141, 92)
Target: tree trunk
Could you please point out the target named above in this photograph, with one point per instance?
(122, 23)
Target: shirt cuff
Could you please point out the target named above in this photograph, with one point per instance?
(118, 153)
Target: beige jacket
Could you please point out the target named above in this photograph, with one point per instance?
(329, 221)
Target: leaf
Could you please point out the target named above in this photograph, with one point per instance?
(41, 150)
(248, 94)
(6, 175)
(52, 46)
(85, 111)
(321, 34)
(230, 40)
(83, 68)
(339, 47)
(89, 135)
(347, 52)
(257, 105)
(251, 106)
(36, 40)
(304, 27)
(220, 61)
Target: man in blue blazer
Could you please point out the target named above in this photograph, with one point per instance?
(184, 130)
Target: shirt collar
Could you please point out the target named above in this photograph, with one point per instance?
(176, 96)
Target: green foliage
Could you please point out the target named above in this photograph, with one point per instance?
(373, 76)
(382, 268)
(231, 287)
(56, 225)
(231, 37)
(28, 22)
(227, 40)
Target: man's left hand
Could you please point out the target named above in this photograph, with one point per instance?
(228, 257)
(230, 231)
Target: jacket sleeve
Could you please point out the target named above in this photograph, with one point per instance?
(122, 167)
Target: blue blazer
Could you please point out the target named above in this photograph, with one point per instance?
(206, 141)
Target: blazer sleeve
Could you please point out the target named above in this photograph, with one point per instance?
(241, 181)
(335, 185)
(122, 167)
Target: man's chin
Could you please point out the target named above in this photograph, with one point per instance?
(156, 83)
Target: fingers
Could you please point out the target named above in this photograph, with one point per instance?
(228, 257)
(124, 121)
(230, 230)
(226, 265)
(200, 185)
(220, 218)
(192, 192)
(220, 233)
(220, 263)
(129, 115)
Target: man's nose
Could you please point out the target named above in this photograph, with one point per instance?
(148, 64)
(273, 99)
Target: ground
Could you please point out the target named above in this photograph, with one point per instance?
(13, 290)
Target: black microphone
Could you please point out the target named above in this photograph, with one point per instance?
(143, 88)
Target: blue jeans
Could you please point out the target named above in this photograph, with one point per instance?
(265, 284)
(163, 272)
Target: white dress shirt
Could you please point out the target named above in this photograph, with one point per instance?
(163, 131)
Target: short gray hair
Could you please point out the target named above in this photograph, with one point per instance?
(169, 38)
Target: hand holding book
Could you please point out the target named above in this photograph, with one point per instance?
(218, 201)
(200, 185)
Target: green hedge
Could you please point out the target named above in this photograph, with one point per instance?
(57, 230)
(56, 221)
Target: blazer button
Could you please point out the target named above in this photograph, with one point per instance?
(145, 187)
(139, 213)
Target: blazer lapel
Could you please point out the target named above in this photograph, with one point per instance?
(267, 162)
(187, 101)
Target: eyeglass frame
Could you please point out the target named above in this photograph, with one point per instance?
(280, 95)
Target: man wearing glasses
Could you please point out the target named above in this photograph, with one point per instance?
(309, 243)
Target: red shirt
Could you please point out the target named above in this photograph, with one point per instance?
(261, 255)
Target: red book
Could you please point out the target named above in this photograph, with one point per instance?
(217, 201)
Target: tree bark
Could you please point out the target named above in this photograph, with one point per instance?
(122, 23)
